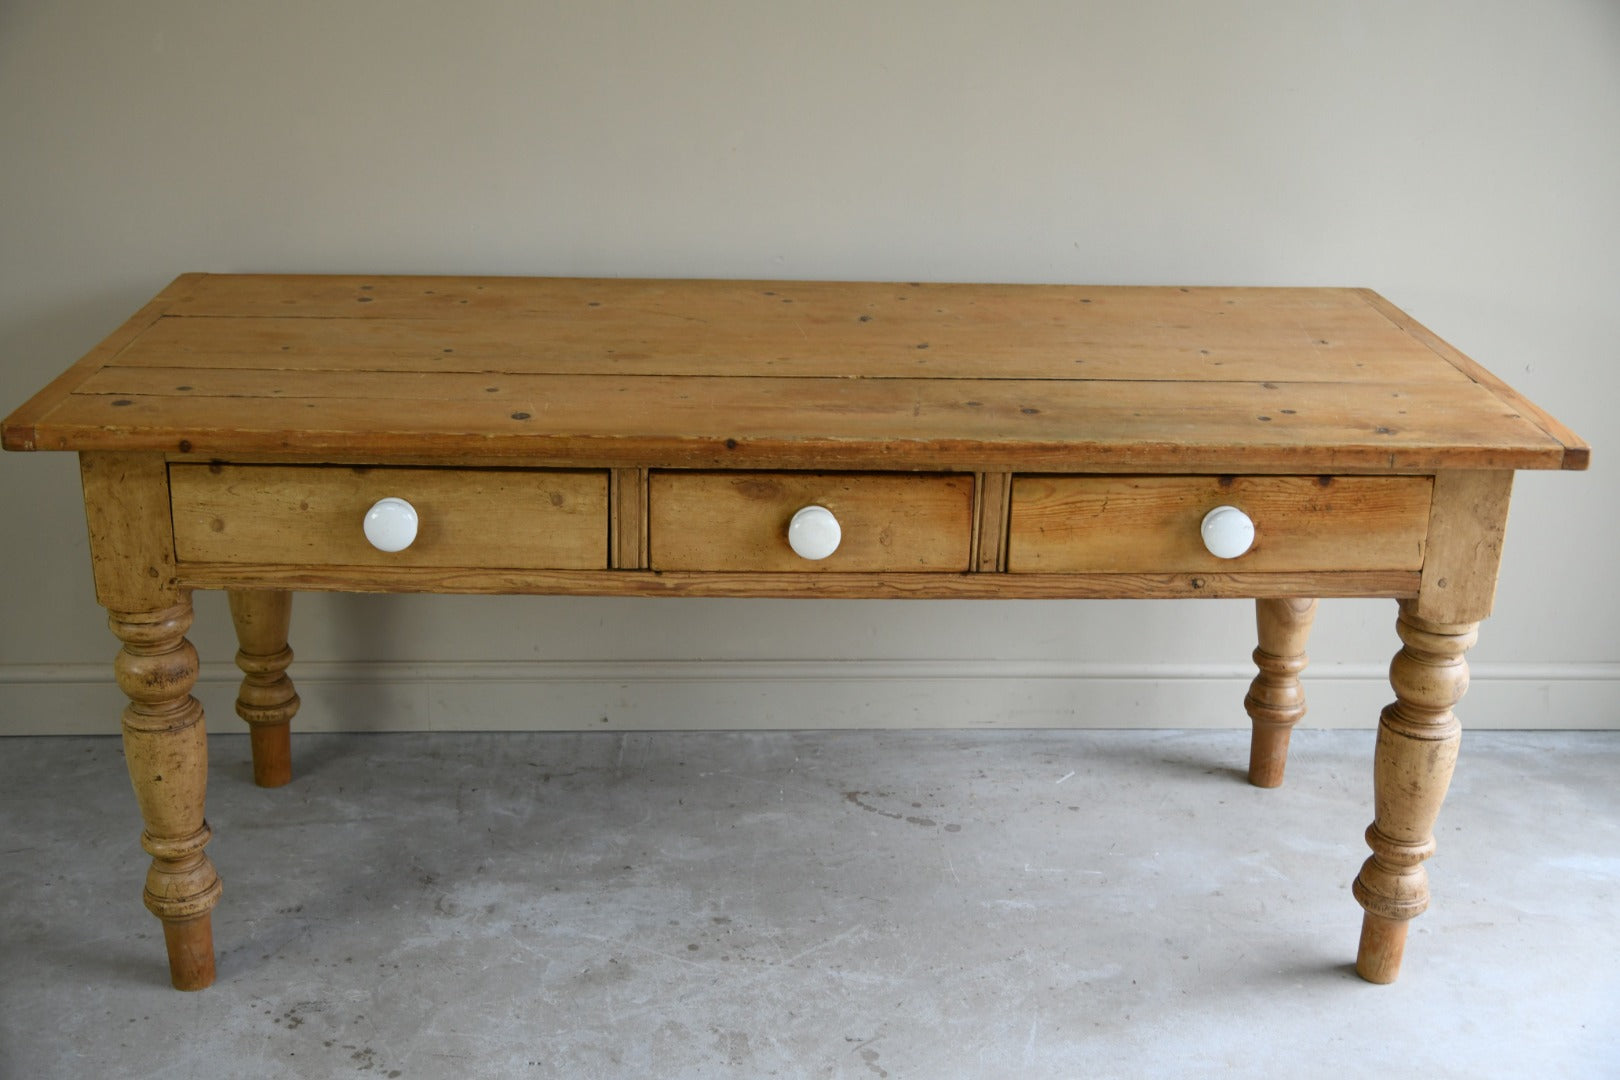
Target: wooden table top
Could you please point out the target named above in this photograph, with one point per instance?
(788, 375)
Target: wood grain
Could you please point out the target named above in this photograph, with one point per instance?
(126, 505)
(791, 375)
(166, 751)
(18, 431)
(737, 521)
(1010, 424)
(652, 438)
(1132, 524)
(1418, 738)
(267, 701)
(665, 304)
(629, 525)
(848, 586)
(1577, 454)
(1276, 701)
(1466, 530)
(992, 505)
(1187, 338)
(539, 519)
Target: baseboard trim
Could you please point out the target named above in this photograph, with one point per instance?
(77, 699)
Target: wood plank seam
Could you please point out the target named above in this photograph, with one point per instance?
(21, 427)
(1577, 453)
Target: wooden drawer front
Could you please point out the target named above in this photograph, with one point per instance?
(515, 518)
(1148, 524)
(739, 520)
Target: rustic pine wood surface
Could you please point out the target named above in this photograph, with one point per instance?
(790, 375)
(540, 519)
(974, 441)
(1103, 524)
(731, 521)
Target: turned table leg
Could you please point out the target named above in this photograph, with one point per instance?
(267, 700)
(1418, 736)
(166, 749)
(1275, 701)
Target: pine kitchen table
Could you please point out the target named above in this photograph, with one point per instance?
(264, 434)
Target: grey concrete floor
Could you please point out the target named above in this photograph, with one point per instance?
(829, 904)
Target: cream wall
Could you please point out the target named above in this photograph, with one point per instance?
(1461, 157)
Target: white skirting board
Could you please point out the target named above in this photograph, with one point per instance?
(81, 699)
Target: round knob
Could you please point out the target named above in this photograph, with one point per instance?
(1227, 531)
(391, 524)
(814, 533)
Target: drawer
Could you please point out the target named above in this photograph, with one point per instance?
(739, 520)
(313, 515)
(1151, 524)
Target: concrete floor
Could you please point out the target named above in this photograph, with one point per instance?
(831, 904)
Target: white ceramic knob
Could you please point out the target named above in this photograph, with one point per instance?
(391, 524)
(814, 533)
(1227, 531)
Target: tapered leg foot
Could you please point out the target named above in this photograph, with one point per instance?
(267, 700)
(1275, 701)
(191, 952)
(272, 753)
(166, 750)
(1383, 941)
(1418, 737)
